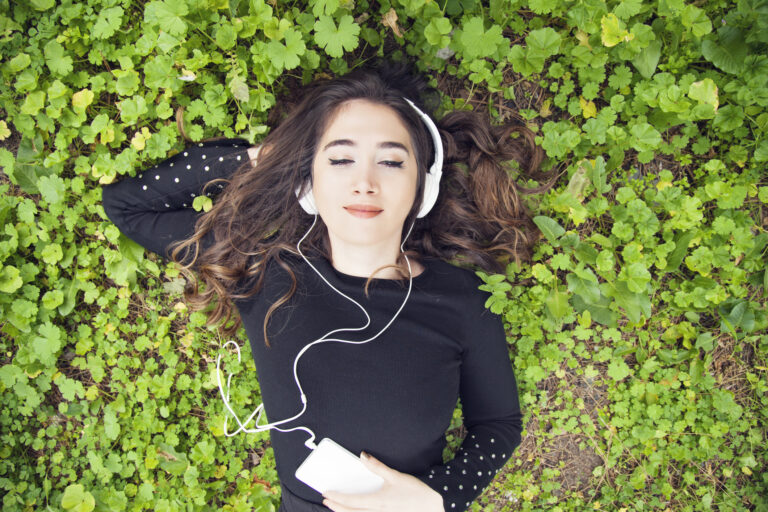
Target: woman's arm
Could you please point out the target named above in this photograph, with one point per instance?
(154, 209)
(491, 411)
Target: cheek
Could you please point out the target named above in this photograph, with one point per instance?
(414, 183)
(327, 198)
(407, 193)
(322, 185)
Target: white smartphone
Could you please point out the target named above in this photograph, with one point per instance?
(331, 467)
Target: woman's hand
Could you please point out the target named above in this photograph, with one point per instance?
(253, 152)
(401, 492)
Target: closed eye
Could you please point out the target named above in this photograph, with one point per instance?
(345, 161)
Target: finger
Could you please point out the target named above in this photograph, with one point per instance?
(339, 507)
(353, 501)
(376, 466)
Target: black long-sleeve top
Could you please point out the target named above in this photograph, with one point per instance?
(393, 396)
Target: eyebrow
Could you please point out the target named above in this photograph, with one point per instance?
(348, 142)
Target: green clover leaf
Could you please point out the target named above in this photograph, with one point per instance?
(334, 40)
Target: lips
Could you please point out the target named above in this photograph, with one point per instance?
(362, 208)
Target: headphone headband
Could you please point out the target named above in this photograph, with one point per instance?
(437, 166)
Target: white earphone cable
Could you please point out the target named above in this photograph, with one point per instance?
(260, 409)
(307, 203)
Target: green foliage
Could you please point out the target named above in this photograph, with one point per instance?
(336, 39)
(638, 329)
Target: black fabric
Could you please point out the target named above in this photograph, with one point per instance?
(393, 396)
(289, 502)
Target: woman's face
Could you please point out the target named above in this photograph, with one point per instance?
(365, 160)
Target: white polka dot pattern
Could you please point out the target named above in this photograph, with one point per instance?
(168, 188)
(154, 207)
(490, 410)
(480, 457)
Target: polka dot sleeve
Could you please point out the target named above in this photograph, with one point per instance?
(154, 208)
(491, 411)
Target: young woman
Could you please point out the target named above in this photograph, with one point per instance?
(341, 224)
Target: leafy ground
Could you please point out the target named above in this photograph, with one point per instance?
(637, 333)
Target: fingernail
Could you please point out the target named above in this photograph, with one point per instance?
(364, 455)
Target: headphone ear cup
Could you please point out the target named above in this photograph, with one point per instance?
(431, 191)
(307, 201)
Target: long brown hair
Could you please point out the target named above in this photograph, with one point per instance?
(478, 218)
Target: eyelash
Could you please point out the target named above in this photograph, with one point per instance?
(388, 162)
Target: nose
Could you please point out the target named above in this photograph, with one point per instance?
(365, 181)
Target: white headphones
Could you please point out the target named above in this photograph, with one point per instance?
(431, 185)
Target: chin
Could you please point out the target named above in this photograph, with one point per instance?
(361, 236)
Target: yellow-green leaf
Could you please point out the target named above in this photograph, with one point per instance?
(33, 103)
(613, 31)
(588, 108)
(76, 498)
(81, 99)
(4, 131)
(704, 91)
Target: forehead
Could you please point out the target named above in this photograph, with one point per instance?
(362, 119)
